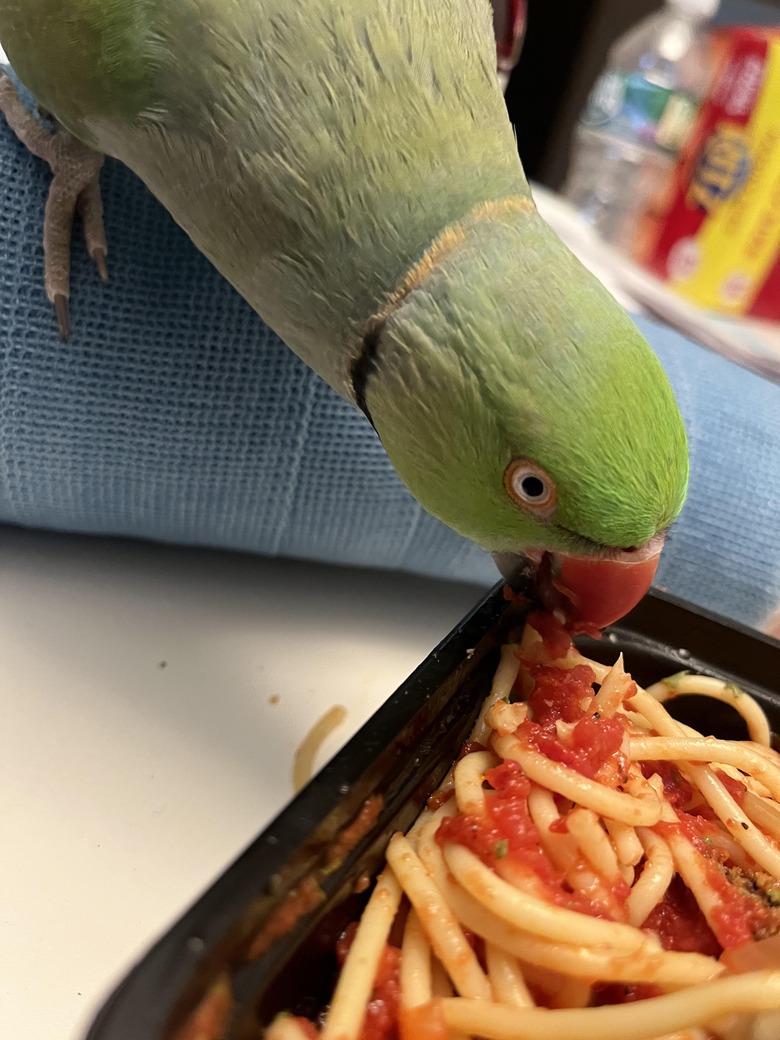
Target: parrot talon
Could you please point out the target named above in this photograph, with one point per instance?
(99, 256)
(75, 185)
(62, 310)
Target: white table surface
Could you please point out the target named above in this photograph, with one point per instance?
(126, 785)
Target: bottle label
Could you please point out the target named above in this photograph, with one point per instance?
(632, 108)
(716, 240)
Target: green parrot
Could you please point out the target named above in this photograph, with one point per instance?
(350, 168)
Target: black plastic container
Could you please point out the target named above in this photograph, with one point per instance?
(270, 922)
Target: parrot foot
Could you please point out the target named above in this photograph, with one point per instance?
(75, 187)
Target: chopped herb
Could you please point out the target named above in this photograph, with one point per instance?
(501, 848)
(673, 681)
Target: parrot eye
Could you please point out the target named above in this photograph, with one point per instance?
(530, 487)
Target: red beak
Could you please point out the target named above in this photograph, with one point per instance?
(586, 593)
(592, 593)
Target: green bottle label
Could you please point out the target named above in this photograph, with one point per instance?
(631, 107)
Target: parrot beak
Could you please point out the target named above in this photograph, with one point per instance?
(587, 593)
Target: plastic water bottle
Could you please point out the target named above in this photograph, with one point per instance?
(638, 116)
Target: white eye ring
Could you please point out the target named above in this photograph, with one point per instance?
(531, 487)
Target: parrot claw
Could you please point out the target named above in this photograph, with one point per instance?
(62, 310)
(99, 256)
(75, 186)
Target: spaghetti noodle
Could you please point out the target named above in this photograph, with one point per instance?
(591, 869)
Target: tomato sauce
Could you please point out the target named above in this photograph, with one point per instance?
(680, 924)
(739, 918)
(469, 748)
(560, 695)
(700, 831)
(623, 993)
(381, 1018)
(736, 789)
(307, 1027)
(507, 830)
(438, 799)
(678, 791)
(742, 915)
(594, 744)
(555, 639)
(425, 1022)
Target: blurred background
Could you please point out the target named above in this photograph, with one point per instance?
(651, 133)
(578, 34)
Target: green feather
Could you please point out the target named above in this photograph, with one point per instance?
(83, 58)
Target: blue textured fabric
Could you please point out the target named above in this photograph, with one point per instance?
(724, 551)
(174, 414)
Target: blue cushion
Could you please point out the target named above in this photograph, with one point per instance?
(175, 414)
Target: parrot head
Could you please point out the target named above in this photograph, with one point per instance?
(523, 408)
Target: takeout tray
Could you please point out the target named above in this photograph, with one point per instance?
(271, 920)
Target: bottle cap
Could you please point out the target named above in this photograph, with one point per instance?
(696, 8)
